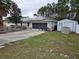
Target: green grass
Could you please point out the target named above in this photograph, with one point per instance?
(50, 45)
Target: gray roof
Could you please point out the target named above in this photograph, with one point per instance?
(41, 21)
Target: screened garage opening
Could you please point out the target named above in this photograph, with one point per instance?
(39, 25)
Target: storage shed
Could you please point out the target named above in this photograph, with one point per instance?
(77, 29)
(67, 23)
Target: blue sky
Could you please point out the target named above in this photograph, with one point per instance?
(29, 7)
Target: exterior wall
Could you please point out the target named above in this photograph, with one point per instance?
(77, 29)
(30, 25)
(58, 27)
(51, 25)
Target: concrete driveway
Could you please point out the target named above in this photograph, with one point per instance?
(14, 36)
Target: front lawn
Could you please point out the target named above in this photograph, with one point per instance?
(50, 45)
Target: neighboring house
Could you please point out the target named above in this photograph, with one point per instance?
(7, 23)
(67, 23)
(39, 22)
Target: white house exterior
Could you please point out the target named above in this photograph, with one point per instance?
(67, 23)
(39, 22)
(77, 29)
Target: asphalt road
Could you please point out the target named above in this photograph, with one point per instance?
(14, 36)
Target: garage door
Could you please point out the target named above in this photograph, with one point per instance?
(39, 25)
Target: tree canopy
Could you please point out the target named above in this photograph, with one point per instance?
(63, 9)
(15, 14)
(8, 6)
(5, 6)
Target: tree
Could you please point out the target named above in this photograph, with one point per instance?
(60, 10)
(15, 14)
(42, 11)
(5, 6)
(63, 2)
(15, 20)
(63, 9)
(45, 10)
(75, 8)
(10, 7)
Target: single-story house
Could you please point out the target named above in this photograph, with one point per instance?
(67, 23)
(41, 23)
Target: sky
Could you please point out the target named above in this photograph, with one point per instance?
(29, 7)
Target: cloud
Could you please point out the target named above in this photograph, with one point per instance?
(29, 7)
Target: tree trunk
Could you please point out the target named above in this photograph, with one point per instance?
(1, 21)
(2, 13)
